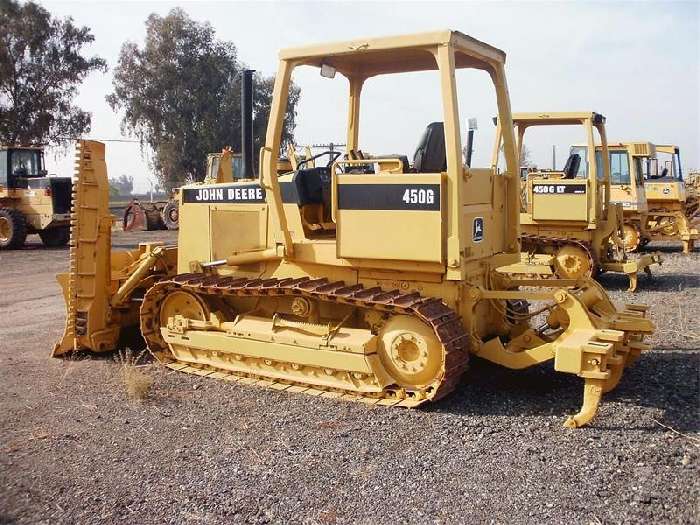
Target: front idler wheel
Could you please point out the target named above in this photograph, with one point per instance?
(572, 262)
(184, 304)
(411, 352)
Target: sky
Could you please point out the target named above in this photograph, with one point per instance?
(638, 63)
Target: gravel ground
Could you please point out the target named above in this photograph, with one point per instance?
(73, 450)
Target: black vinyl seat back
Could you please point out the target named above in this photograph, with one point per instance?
(430, 156)
(572, 165)
(309, 186)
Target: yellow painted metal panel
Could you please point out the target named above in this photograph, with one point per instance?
(237, 228)
(411, 233)
(271, 350)
(554, 207)
(194, 236)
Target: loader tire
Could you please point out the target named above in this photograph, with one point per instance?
(55, 237)
(13, 229)
(170, 215)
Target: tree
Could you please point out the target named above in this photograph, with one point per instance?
(41, 68)
(180, 94)
(525, 157)
(525, 160)
(124, 184)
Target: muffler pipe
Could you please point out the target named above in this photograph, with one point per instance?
(247, 124)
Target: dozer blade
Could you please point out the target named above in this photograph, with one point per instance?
(86, 286)
(100, 283)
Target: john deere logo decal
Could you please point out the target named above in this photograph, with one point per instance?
(478, 229)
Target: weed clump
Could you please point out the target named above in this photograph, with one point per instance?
(137, 382)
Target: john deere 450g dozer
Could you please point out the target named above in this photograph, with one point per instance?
(569, 227)
(342, 281)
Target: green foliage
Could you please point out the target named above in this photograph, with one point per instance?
(123, 184)
(41, 67)
(180, 94)
(113, 190)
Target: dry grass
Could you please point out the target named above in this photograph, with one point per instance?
(137, 382)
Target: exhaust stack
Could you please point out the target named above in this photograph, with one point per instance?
(247, 124)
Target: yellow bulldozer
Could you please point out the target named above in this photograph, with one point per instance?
(629, 166)
(342, 282)
(657, 203)
(674, 209)
(30, 200)
(569, 226)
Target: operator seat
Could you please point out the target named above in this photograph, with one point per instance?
(430, 156)
(572, 165)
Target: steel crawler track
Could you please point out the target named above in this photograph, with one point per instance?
(530, 243)
(444, 321)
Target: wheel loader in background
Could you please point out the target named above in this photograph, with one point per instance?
(30, 200)
(343, 283)
(141, 215)
(674, 209)
(569, 227)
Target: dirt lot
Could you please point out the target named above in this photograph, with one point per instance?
(73, 450)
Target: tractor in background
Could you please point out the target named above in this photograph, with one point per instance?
(30, 200)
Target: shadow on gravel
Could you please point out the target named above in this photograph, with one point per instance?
(5, 519)
(39, 246)
(666, 247)
(662, 380)
(657, 283)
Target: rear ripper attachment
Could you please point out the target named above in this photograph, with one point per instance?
(583, 333)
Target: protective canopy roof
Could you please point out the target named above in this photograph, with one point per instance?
(557, 118)
(377, 56)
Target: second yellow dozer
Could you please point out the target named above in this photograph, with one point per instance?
(569, 227)
(630, 163)
(345, 283)
(671, 210)
(674, 207)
